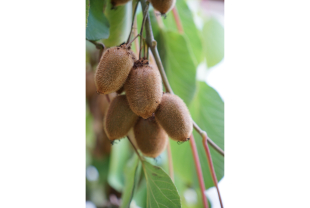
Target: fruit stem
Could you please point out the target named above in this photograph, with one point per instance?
(133, 20)
(177, 19)
(134, 148)
(199, 171)
(152, 44)
(145, 15)
(128, 44)
(211, 167)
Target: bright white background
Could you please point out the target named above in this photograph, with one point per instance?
(42, 110)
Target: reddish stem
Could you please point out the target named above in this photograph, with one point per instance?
(170, 162)
(211, 167)
(177, 19)
(108, 99)
(199, 171)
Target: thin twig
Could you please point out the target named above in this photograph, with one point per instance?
(133, 20)
(135, 149)
(145, 15)
(201, 133)
(211, 167)
(199, 171)
(128, 44)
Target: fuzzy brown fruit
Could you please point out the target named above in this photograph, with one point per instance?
(174, 117)
(118, 2)
(119, 118)
(163, 6)
(143, 89)
(151, 138)
(113, 69)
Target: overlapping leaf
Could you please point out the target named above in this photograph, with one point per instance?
(161, 192)
(97, 24)
(120, 23)
(213, 41)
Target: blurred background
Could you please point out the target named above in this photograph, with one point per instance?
(105, 163)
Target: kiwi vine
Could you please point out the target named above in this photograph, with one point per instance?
(163, 114)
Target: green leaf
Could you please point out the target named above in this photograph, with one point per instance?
(161, 192)
(87, 10)
(213, 40)
(120, 23)
(120, 154)
(98, 25)
(191, 31)
(180, 66)
(130, 178)
(140, 196)
(207, 109)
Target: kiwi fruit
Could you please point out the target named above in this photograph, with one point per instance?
(118, 2)
(163, 6)
(174, 117)
(150, 137)
(143, 89)
(90, 84)
(113, 68)
(119, 118)
(103, 103)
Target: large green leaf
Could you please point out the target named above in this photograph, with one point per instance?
(191, 31)
(207, 109)
(213, 41)
(120, 154)
(161, 192)
(180, 66)
(120, 23)
(97, 25)
(130, 178)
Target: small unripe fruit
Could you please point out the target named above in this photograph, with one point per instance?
(103, 103)
(118, 2)
(163, 6)
(113, 69)
(90, 84)
(119, 118)
(174, 117)
(143, 89)
(150, 137)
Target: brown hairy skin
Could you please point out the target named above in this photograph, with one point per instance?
(118, 2)
(163, 6)
(119, 118)
(143, 89)
(90, 84)
(174, 117)
(103, 102)
(113, 69)
(150, 137)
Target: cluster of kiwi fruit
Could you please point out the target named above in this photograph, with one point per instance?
(140, 103)
(163, 6)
